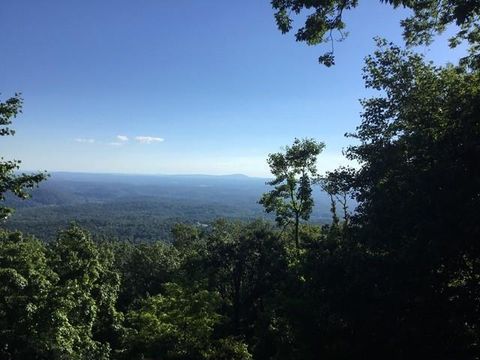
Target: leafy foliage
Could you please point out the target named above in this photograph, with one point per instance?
(57, 301)
(179, 324)
(324, 23)
(419, 144)
(86, 292)
(145, 268)
(9, 180)
(26, 281)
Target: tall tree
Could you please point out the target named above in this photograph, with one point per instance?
(418, 191)
(338, 185)
(9, 180)
(295, 170)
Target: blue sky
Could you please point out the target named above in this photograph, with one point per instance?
(177, 86)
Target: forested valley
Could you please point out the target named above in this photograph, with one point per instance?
(141, 208)
(394, 272)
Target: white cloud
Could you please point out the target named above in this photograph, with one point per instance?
(122, 138)
(116, 143)
(87, 141)
(148, 139)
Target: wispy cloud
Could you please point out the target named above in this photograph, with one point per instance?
(121, 140)
(85, 141)
(148, 139)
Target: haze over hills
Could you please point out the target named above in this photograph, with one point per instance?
(142, 207)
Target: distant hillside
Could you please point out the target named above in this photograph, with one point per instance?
(141, 207)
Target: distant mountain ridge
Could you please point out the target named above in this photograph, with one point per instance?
(92, 175)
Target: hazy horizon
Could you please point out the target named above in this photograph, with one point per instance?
(52, 172)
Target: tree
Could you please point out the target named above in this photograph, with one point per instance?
(56, 301)
(9, 180)
(429, 17)
(418, 193)
(295, 170)
(144, 268)
(81, 307)
(26, 282)
(247, 265)
(338, 185)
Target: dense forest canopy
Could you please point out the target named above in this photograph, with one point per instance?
(397, 278)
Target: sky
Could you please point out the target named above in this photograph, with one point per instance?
(179, 86)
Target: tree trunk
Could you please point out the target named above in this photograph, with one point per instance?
(297, 220)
